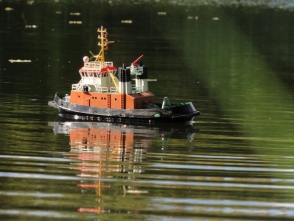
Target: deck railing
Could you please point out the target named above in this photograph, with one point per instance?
(96, 64)
(137, 89)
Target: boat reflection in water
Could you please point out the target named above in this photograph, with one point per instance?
(109, 156)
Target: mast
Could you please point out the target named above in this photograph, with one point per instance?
(103, 44)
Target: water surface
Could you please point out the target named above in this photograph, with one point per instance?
(234, 162)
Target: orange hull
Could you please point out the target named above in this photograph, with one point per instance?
(115, 101)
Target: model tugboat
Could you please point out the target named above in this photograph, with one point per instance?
(105, 91)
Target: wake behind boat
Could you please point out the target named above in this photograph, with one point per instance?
(107, 91)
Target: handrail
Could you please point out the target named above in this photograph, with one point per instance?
(113, 89)
(137, 89)
(96, 64)
(101, 89)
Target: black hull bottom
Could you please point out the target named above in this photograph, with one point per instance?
(175, 113)
(81, 116)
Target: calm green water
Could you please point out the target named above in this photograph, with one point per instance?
(235, 162)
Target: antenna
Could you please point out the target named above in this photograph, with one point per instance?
(103, 44)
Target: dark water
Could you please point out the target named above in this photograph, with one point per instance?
(235, 162)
